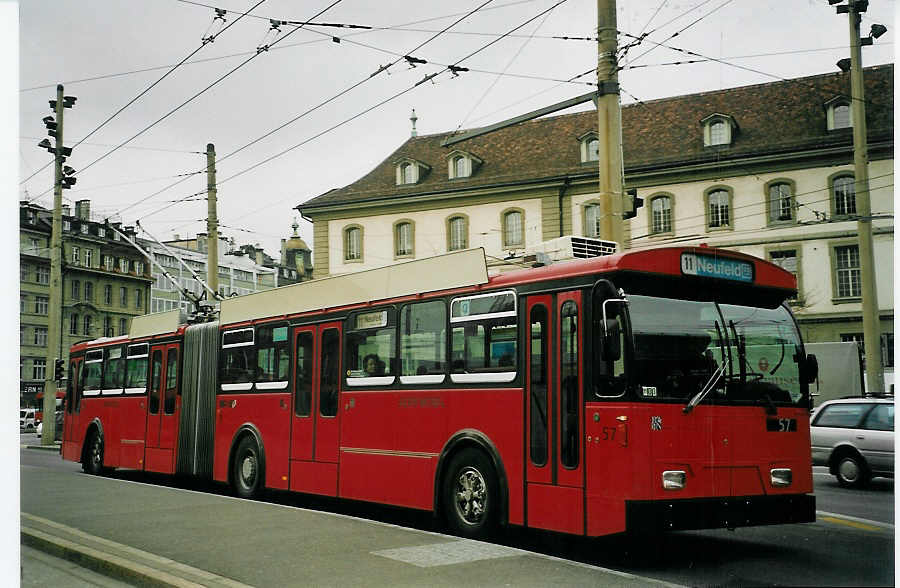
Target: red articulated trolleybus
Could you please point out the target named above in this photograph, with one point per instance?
(660, 389)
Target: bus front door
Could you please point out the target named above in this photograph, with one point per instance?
(162, 409)
(71, 445)
(555, 470)
(315, 432)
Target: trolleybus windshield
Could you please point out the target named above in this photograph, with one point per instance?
(680, 347)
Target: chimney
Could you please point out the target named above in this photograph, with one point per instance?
(413, 118)
(83, 209)
(259, 257)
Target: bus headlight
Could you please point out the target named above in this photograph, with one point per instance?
(781, 477)
(673, 479)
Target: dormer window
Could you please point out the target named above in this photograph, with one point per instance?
(461, 164)
(590, 147)
(410, 171)
(718, 130)
(839, 115)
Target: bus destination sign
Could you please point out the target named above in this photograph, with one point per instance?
(723, 268)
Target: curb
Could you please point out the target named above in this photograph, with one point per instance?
(102, 563)
(54, 447)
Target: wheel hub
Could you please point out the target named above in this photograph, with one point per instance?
(470, 495)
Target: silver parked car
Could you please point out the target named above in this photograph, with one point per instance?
(854, 437)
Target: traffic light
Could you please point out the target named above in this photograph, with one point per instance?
(635, 203)
(59, 370)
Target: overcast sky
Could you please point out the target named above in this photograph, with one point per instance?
(107, 52)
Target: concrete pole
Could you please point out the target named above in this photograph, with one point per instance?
(54, 318)
(212, 223)
(870, 315)
(609, 125)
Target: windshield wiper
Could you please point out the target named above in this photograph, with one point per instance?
(713, 380)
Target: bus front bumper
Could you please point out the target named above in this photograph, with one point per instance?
(716, 513)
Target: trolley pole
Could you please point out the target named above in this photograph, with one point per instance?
(212, 223)
(870, 315)
(54, 318)
(609, 125)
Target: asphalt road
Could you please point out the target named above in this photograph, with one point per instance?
(852, 544)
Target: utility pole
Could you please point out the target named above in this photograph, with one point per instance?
(870, 315)
(609, 125)
(212, 223)
(54, 319)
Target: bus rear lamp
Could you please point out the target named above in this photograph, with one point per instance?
(782, 477)
(674, 480)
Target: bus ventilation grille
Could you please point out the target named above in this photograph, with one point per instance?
(572, 247)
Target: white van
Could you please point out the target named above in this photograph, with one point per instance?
(26, 419)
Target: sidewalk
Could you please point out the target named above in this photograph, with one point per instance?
(159, 536)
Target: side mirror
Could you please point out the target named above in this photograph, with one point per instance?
(612, 348)
(810, 369)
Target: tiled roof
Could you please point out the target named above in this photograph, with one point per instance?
(782, 116)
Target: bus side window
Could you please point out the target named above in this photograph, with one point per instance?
(171, 381)
(155, 374)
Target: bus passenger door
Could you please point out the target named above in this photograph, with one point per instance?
(554, 375)
(162, 422)
(315, 429)
(70, 443)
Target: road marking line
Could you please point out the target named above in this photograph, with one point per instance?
(867, 524)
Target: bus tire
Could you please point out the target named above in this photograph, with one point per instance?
(92, 463)
(247, 470)
(471, 494)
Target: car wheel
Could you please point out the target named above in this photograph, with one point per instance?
(471, 494)
(851, 471)
(93, 457)
(247, 471)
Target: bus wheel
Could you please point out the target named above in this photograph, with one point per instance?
(93, 458)
(471, 494)
(247, 474)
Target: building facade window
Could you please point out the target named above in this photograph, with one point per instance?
(73, 324)
(108, 262)
(139, 269)
(23, 301)
(38, 369)
(457, 233)
(107, 294)
(408, 173)
(788, 260)
(24, 272)
(459, 167)
(138, 298)
(843, 201)
(84, 228)
(101, 232)
(123, 324)
(123, 265)
(67, 225)
(76, 290)
(43, 275)
(353, 243)
(513, 223)
(660, 215)
(718, 130)
(717, 134)
(718, 208)
(40, 336)
(592, 220)
(404, 239)
(88, 254)
(87, 324)
(848, 279)
(123, 296)
(76, 255)
(41, 304)
(89, 291)
(780, 202)
(839, 114)
(107, 327)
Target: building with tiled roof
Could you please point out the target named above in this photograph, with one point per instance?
(765, 169)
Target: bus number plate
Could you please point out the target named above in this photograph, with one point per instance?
(781, 425)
